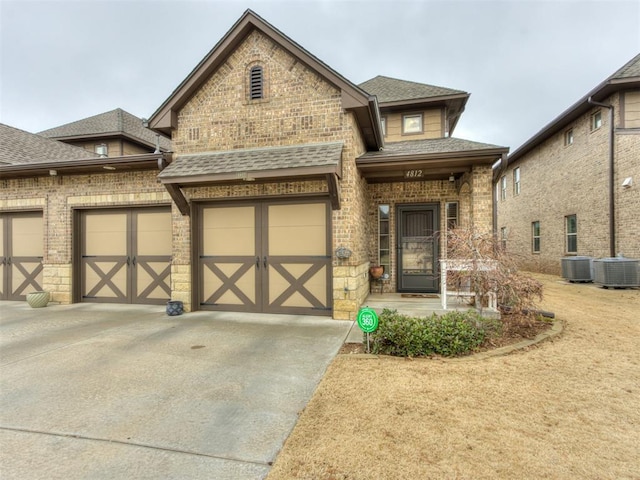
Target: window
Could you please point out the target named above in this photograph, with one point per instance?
(503, 238)
(102, 150)
(256, 83)
(596, 120)
(535, 237)
(503, 188)
(452, 215)
(568, 137)
(384, 240)
(571, 233)
(383, 123)
(412, 123)
(516, 181)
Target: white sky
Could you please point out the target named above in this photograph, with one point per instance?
(524, 62)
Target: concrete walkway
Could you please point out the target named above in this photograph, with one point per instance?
(120, 391)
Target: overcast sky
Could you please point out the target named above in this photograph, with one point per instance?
(524, 62)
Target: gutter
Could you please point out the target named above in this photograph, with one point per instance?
(612, 206)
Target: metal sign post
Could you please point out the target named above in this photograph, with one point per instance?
(368, 322)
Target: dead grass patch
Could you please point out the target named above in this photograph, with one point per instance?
(567, 409)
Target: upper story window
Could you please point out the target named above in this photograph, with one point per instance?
(102, 149)
(383, 123)
(412, 123)
(503, 188)
(516, 181)
(256, 83)
(568, 137)
(596, 120)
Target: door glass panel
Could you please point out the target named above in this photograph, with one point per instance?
(417, 255)
(228, 231)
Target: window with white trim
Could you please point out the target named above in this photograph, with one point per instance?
(568, 137)
(412, 123)
(503, 188)
(452, 215)
(384, 239)
(102, 149)
(596, 120)
(516, 181)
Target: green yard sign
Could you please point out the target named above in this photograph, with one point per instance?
(367, 320)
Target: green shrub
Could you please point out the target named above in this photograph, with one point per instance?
(454, 333)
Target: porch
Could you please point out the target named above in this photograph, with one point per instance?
(419, 305)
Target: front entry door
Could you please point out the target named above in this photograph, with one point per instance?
(126, 256)
(418, 248)
(265, 257)
(21, 247)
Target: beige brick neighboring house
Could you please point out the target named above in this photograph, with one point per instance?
(113, 134)
(573, 188)
(283, 188)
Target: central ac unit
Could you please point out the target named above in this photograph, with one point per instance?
(577, 269)
(617, 272)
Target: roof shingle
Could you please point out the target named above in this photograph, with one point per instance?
(114, 122)
(18, 147)
(430, 147)
(253, 160)
(389, 89)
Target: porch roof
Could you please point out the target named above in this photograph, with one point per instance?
(254, 163)
(292, 162)
(436, 158)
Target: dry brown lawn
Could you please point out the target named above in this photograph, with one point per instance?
(568, 408)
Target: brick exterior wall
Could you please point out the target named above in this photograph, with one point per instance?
(57, 197)
(559, 180)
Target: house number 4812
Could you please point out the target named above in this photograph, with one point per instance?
(413, 174)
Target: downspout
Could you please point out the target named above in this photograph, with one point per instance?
(612, 206)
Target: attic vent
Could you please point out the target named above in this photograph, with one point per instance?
(256, 83)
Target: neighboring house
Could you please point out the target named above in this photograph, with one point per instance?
(287, 182)
(112, 134)
(574, 187)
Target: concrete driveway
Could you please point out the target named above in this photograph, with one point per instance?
(118, 391)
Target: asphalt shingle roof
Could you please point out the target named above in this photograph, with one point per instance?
(18, 147)
(389, 89)
(430, 147)
(258, 159)
(114, 122)
(631, 69)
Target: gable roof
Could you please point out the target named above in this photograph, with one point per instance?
(395, 94)
(628, 76)
(389, 89)
(23, 148)
(114, 123)
(365, 107)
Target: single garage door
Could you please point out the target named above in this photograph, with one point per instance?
(21, 248)
(125, 255)
(265, 257)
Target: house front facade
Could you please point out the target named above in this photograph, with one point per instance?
(572, 189)
(285, 184)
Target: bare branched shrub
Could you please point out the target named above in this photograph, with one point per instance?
(487, 267)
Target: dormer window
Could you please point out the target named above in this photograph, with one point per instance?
(256, 83)
(102, 150)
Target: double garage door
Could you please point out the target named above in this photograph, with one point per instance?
(21, 247)
(125, 255)
(265, 256)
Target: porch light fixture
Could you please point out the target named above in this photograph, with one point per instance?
(452, 178)
(53, 173)
(108, 167)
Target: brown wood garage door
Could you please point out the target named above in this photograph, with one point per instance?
(125, 255)
(21, 247)
(265, 257)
